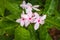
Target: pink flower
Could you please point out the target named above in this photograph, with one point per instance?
(39, 20)
(28, 6)
(28, 19)
(22, 19)
(23, 5)
(35, 7)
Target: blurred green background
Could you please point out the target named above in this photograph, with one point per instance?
(10, 10)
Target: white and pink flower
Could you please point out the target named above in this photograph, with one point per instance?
(23, 5)
(39, 20)
(22, 19)
(29, 6)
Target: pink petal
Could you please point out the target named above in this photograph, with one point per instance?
(18, 20)
(23, 5)
(43, 17)
(22, 23)
(42, 22)
(32, 20)
(23, 15)
(35, 20)
(36, 14)
(29, 9)
(29, 4)
(27, 23)
(36, 26)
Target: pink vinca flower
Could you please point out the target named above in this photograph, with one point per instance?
(23, 5)
(30, 7)
(22, 19)
(39, 20)
(28, 19)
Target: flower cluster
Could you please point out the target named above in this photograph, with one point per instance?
(29, 16)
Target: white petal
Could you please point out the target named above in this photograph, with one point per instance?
(30, 14)
(23, 15)
(42, 22)
(36, 14)
(18, 20)
(22, 23)
(36, 6)
(32, 20)
(22, 12)
(35, 20)
(29, 4)
(29, 9)
(27, 23)
(36, 9)
(23, 5)
(36, 26)
(24, 2)
(43, 17)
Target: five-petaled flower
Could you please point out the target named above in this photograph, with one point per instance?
(22, 19)
(39, 20)
(28, 6)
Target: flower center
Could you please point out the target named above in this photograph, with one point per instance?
(38, 20)
(23, 19)
(29, 18)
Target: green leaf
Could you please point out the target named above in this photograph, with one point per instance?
(50, 6)
(14, 9)
(22, 34)
(2, 7)
(6, 24)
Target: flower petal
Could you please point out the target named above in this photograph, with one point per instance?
(30, 14)
(23, 15)
(36, 6)
(23, 5)
(35, 20)
(36, 26)
(32, 20)
(24, 2)
(43, 17)
(42, 22)
(18, 20)
(36, 9)
(29, 4)
(36, 15)
(27, 23)
(22, 23)
(28, 10)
